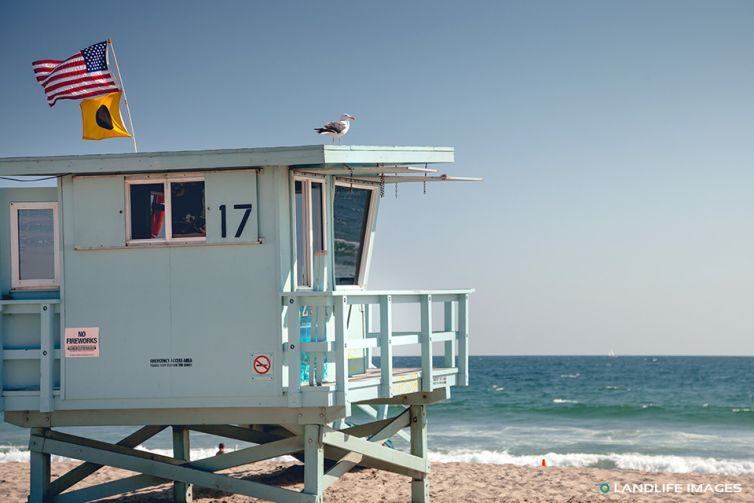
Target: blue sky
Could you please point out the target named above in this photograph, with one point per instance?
(615, 139)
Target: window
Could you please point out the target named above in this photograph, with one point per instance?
(310, 226)
(35, 246)
(166, 210)
(352, 214)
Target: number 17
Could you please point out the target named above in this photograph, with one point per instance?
(244, 219)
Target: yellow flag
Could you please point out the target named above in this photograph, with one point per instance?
(101, 117)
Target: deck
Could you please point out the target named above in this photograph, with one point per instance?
(330, 342)
(33, 368)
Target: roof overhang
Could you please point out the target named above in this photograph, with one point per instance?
(321, 156)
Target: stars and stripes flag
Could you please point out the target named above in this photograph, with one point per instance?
(83, 75)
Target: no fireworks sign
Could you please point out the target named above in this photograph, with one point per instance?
(261, 367)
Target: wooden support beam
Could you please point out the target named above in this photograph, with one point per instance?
(420, 398)
(347, 462)
(399, 422)
(182, 492)
(343, 466)
(372, 412)
(419, 486)
(85, 469)
(213, 464)
(314, 461)
(167, 416)
(40, 470)
(238, 433)
(369, 449)
(367, 429)
(107, 489)
(160, 466)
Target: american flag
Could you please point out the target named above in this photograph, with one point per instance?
(83, 75)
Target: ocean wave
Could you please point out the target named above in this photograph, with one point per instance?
(624, 461)
(571, 376)
(699, 414)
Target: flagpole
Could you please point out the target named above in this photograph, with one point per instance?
(125, 97)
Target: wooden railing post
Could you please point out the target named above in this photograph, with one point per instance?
(463, 340)
(450, 326)
(293, 350)
(426, 342)
(317, 359)
(341, 350)
(46, 358)
(386, 346)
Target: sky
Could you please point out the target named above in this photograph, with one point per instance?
(614, 138)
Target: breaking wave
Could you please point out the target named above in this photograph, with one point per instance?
(624, 461)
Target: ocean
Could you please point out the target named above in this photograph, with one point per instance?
(653, 413)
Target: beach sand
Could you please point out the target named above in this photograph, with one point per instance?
(449, 482)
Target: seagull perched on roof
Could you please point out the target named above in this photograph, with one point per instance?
(336, 129)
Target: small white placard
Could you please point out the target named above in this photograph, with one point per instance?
(81, 342)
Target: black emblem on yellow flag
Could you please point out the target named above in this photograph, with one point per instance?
(101, 117)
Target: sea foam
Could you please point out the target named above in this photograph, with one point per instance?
(625, 461)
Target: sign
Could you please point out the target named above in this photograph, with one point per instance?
(171, 362)
(81, 342)
(261, 366)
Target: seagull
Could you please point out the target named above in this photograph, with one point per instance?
(336, 129)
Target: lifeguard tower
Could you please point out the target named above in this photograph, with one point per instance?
(223, 292)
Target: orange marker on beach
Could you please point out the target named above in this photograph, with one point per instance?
(543, 462)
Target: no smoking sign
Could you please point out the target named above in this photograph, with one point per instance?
(261, 367)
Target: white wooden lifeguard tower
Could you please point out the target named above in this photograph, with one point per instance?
(222, 292)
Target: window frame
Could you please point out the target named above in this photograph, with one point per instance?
(165, 180)
(367, 248)
(33, 284)
(308, 227)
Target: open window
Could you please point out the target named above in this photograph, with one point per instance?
(310, 226)
(165, 210)
(35, 246)
(353, 216)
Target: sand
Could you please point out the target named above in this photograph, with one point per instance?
(449, 482)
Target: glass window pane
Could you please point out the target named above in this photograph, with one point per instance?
(317, 215)
(300, 237)
(36, 244)
(351, 211)
(187, 209)
(147, 211)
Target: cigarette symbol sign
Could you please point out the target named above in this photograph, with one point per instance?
(262, 364)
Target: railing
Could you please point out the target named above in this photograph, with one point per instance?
(36, 342)
(327, 313)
